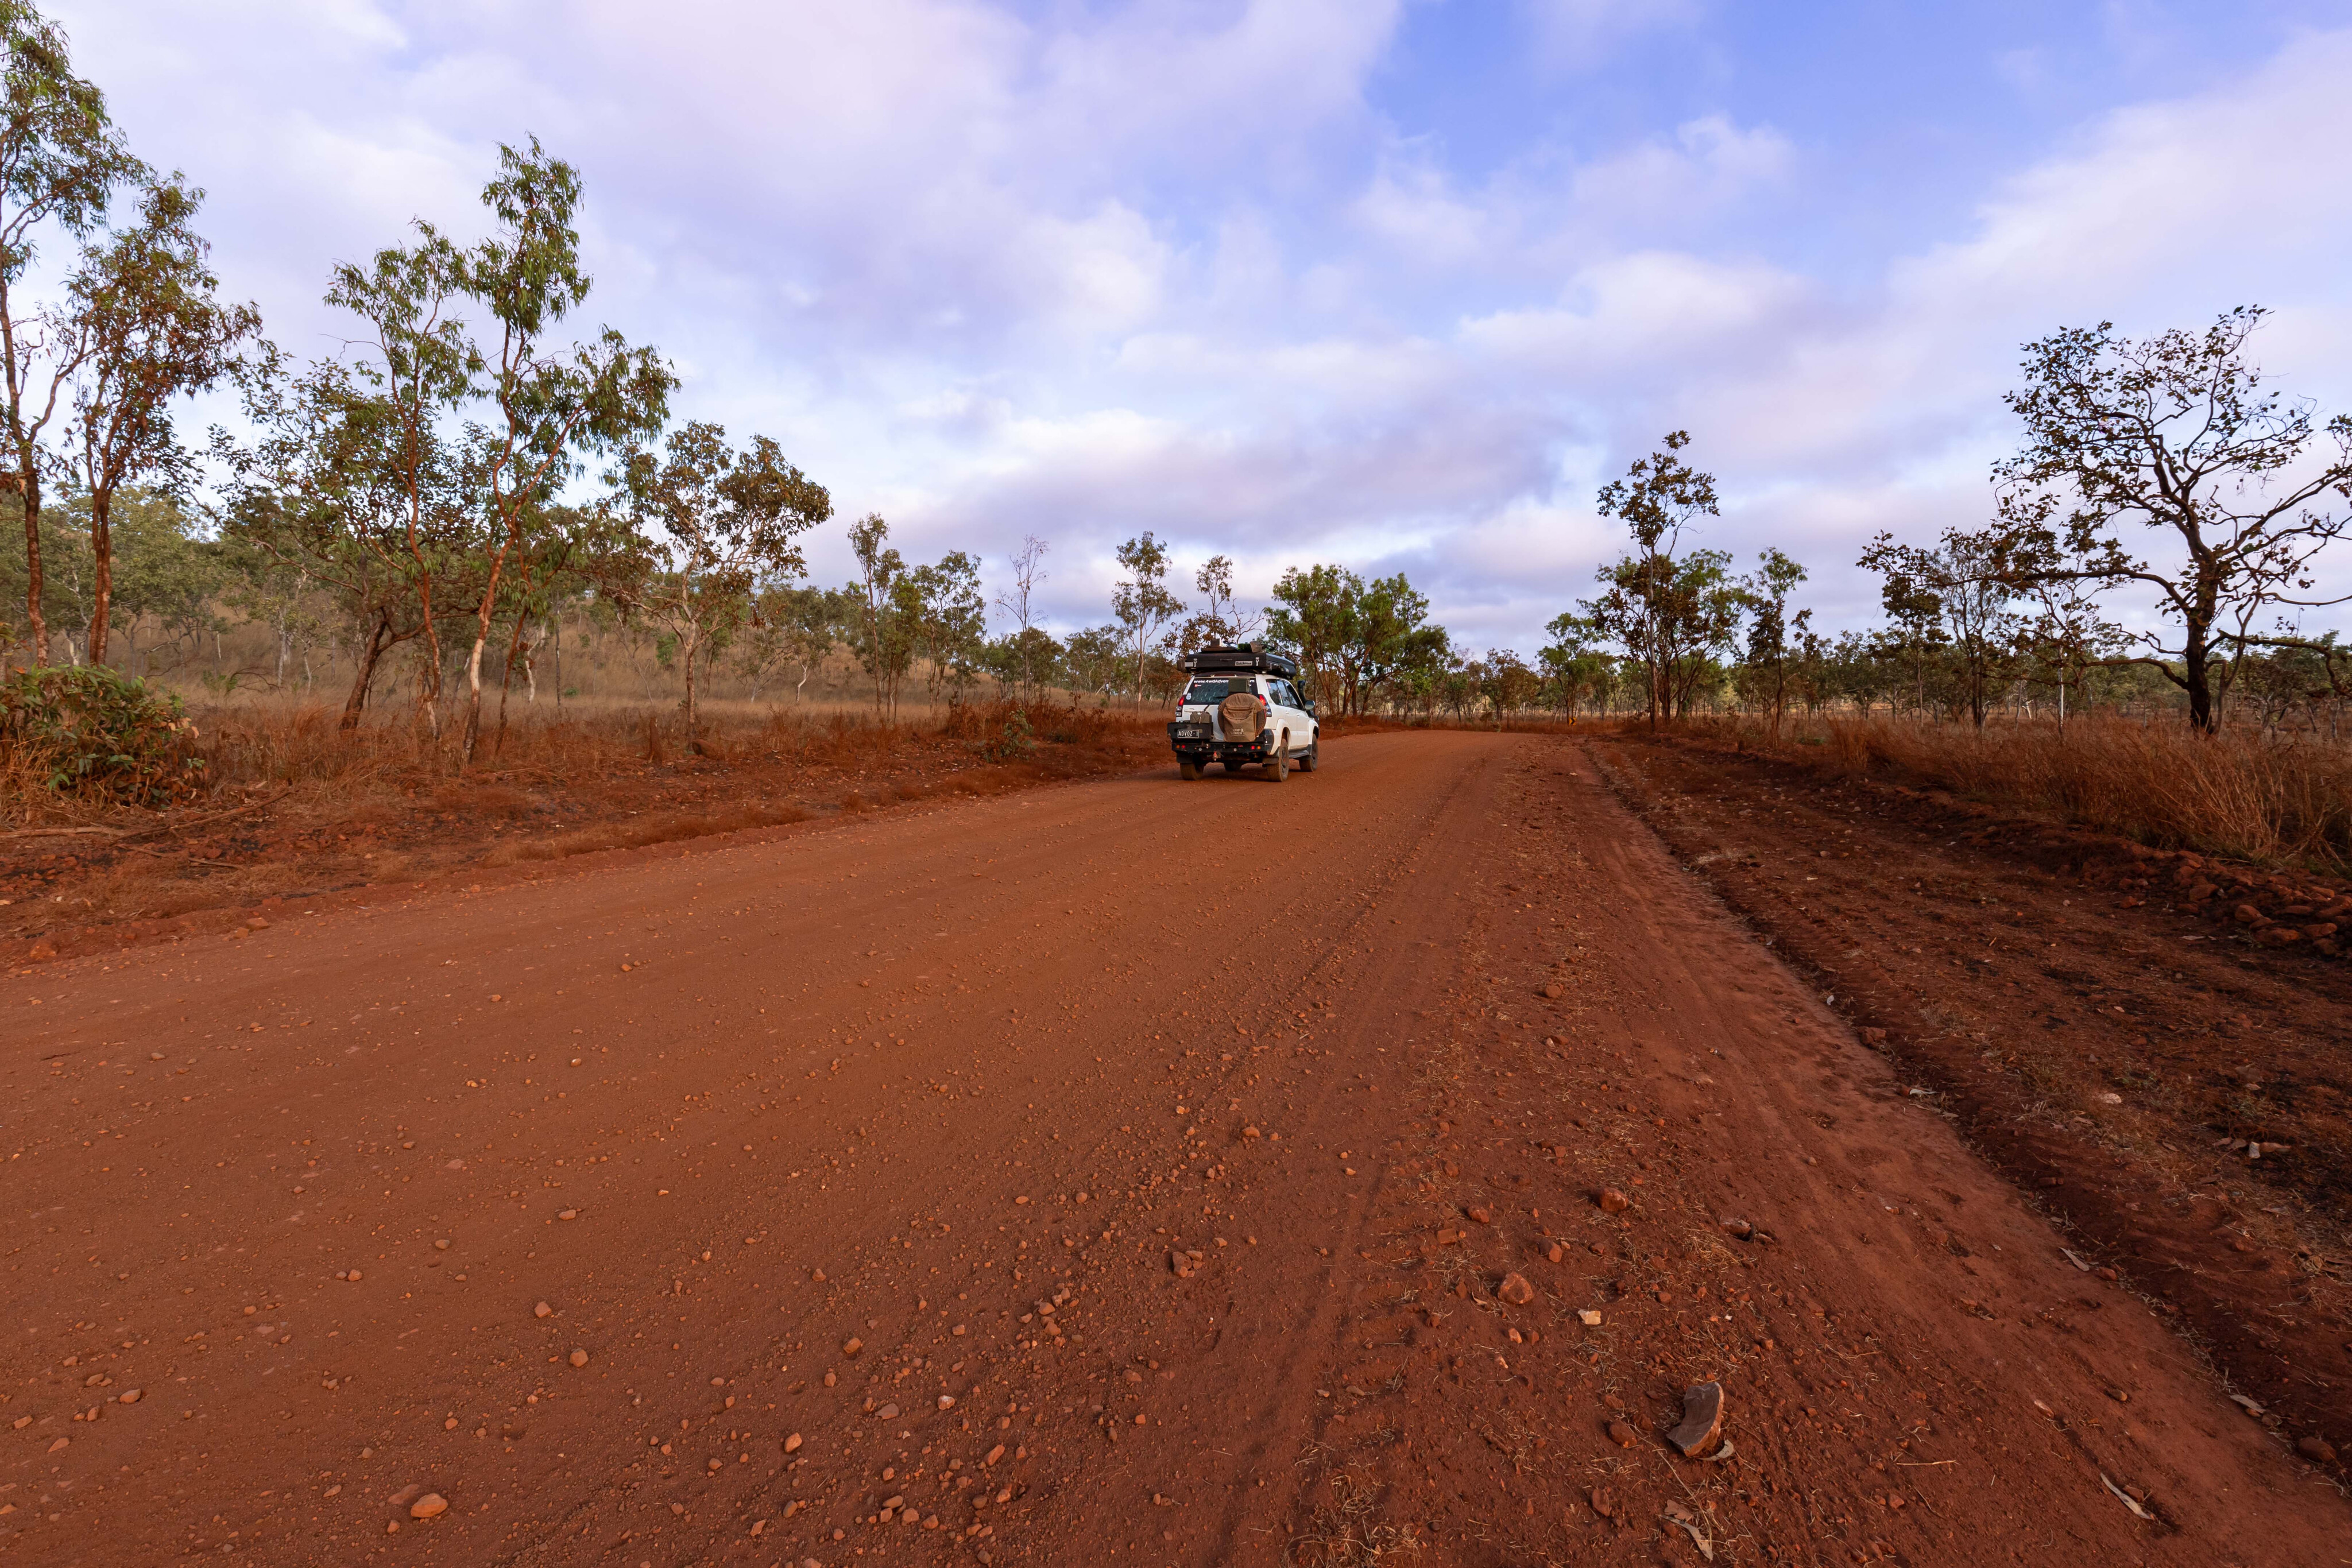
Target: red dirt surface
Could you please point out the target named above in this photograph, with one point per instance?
(137, 876)
(2098, 1020)
(1266, 1093)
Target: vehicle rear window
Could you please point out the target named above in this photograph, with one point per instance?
(1208, 693)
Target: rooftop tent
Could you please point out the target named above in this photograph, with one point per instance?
(1248, 656)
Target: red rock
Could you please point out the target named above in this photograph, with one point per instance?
(1604, 1502)
(1620, 1434)
(1611, 1201)
(1702, 1426)
(2317, 1449)
(1479, 1215)
(1516, 1290)
(428, 1505)
(852, 1346)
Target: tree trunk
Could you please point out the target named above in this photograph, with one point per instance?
(28, 487)
(101, 549)
(2196, 658)
(379, 639)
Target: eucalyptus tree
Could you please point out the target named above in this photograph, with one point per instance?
(1310, 617)
(379, 425)
(712, 526)
(1142, 604)
(1019, 600)
(2177, 437)
(146, 330)
(553, 405)
(950, 619)
(1774, 636)
(881, 631)
(350, 482)
(1221, 620)
(61, 158)
(1671, 613)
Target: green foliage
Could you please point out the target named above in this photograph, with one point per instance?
(1368, 639)
(1142, 604)
(89, 733)
(1016, 740)
(1673, 614)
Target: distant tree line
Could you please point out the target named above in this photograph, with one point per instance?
(2163, 469)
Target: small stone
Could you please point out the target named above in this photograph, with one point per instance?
(947, 1401)
(128, 1397)
(1738, 1229)
(1587, 1317)
(1604, 1502)
(1611, 1201)
(430, 1506)
(1702, 1425)
(441, 1246)
(2315, 1448)
(994, 1454)
(567, 1214)
(1479, 1215)
(542, 1311)
(1516, 1290)
(1622, 1435)
(792, 1444)
(405, 1495)
(888, 1412)
(852, 1346)
(1555, 990)
(828, 1380)
(1555, 1253)
(257, 922)
(59, 1444)
(579, 1358)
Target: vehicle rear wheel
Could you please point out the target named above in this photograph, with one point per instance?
(1310, 757)
(1187, 769)
(1278, 766)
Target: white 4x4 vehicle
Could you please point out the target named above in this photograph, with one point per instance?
(1242, 707)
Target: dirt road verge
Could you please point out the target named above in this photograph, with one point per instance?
(2071, 1002)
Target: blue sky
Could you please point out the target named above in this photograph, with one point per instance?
(1392, 284)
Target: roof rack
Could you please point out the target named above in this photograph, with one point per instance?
(1248, 656)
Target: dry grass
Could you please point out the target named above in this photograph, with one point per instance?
(2282, 801)
(299, 806)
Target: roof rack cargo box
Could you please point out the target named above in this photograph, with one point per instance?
(1248, 656)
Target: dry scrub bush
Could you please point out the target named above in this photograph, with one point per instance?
(2236, 793)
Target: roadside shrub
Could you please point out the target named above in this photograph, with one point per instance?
(92, 734)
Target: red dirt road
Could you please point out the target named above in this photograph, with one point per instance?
(1257, 1088)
